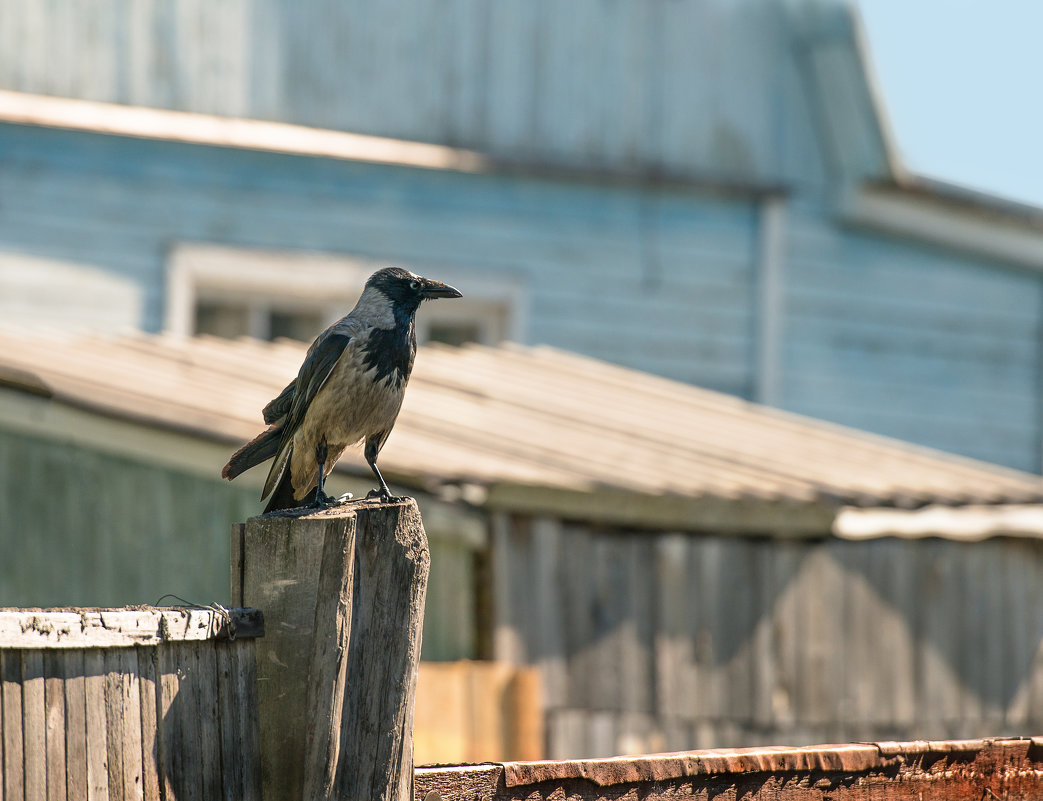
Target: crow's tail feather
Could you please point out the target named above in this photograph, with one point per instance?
(260, 449)
(282, 495)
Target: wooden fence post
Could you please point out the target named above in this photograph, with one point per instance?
(342, 591)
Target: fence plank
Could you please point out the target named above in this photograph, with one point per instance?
(129, 699)
(231, 742)
(545, 603)
(762, 654)
(673, 641)
(508, 636)
(637, 659)
(893, 569)
(97, 736)
(54, 703)
(939, 688)
(34, 725)
(606, 610)
(818, 624)
(171, 743)
(582, 660)
(787, 566)
(208, 743)
(114, 724)
(75, 725)
(149, 705)
(249, 727)
(710, 558)
(13, 778)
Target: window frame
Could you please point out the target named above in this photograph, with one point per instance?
(329, 284)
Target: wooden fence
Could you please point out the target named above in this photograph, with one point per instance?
(138, 703)
(650, 642)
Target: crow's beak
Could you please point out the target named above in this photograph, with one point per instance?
(436, 289)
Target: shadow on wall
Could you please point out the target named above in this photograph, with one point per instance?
(887, 635)
(208, 744)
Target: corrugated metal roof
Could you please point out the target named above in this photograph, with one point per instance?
(525, 417)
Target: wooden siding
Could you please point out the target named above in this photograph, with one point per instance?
(912, 342)
(699, 87)
(664, 284)
(653, 642)
(129, 532)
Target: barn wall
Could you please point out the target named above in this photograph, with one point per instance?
(919, 343)
(651, 642)
(696, 86)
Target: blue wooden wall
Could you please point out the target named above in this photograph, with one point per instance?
(674, 299)
(920, 343)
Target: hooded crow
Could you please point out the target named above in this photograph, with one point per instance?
(349, 389)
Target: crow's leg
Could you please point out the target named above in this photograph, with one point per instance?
(322, 500)
(372, 449)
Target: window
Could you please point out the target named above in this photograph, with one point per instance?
(232, 292)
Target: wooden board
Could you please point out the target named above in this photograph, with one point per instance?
(108, 628)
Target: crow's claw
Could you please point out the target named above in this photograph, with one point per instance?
(322, 500)
(384, 497)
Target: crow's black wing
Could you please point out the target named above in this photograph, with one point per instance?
(279, 407)
(318, 365)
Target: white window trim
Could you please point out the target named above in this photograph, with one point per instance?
(331, 283)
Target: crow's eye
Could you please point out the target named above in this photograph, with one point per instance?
(414, 285)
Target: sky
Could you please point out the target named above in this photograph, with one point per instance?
(962, 85)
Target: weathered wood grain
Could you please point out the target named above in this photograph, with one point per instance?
(75, 724)
(130, 723)
(172, 743)
(148, 702)
(208, 748)
(248, 722)
(97, 732)
(114, 714)
(343, 594)
(328, 658)
(13, 767)
(55, 725)
(112, 628)
(131, 734)
(281, 560)
(231, 773)
(392, 563)
(34, 725)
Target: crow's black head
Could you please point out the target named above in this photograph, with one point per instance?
(407, 290)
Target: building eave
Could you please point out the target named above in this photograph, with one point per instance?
(949, 218)
(111, 119)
